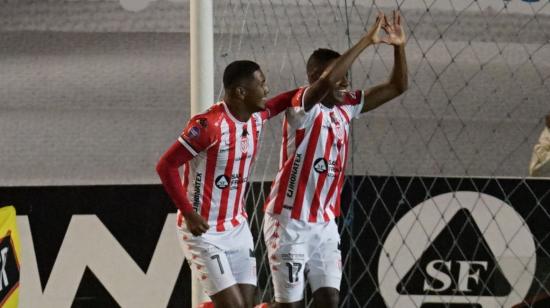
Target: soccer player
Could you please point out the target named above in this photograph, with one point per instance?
(216, 150)
(299, 229)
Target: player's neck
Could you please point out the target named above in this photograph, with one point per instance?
(328, 104)
(237, 110)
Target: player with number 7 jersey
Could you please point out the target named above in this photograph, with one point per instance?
(217, 149)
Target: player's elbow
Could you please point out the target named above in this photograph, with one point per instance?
(161, 167)
(401, 86)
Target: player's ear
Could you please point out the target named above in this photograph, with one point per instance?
(313, 76)
(240, 92)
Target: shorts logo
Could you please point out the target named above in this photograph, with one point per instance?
(222, 181)
(292, 256)
(320, 165)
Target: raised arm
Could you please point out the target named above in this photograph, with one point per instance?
(337, 70)
(398, 82)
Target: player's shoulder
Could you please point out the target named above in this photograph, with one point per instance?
(298, 96)
(353, 97)
(209, 118)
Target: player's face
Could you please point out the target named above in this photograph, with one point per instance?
(338, 93)
(256, 92)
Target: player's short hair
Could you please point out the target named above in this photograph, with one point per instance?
(319, 58)
(238, 71)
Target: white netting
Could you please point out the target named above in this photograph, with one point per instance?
(479, 85)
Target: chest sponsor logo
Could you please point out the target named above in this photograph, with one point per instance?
(233, 182)
(320, 165)
(222, 181)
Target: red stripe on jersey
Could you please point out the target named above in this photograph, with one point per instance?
(321, 181)
(343, 112)
(285, 176)
(237, 204)
(211, 160)
(333, 186)
(336, 210)
(228, 173)
(306, 167)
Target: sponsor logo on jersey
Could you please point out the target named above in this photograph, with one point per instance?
(222, 181)
(293, 175)
(320, 165)
(197, 193)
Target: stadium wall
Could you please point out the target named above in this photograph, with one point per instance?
(111, 246)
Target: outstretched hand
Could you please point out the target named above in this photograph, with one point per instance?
(394, 32)
(373, 33)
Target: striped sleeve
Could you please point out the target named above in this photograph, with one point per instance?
(353, 103)
(296, 115)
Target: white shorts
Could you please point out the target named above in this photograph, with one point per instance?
(298, 247)
(220, 259)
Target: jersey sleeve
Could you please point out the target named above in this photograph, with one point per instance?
(198, 135)
(353, 103)
(167, 169)
(278, 104)
(296, 115)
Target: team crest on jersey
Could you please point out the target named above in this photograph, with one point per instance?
(244, 145)
(338, 129)
(244, 140)
(320, 165)
(222, 181)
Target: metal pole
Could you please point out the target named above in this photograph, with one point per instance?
(202, 83)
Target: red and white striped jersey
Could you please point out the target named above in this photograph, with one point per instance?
(313, 157)
(224, 149)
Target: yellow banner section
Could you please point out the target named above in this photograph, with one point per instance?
(10, 258)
